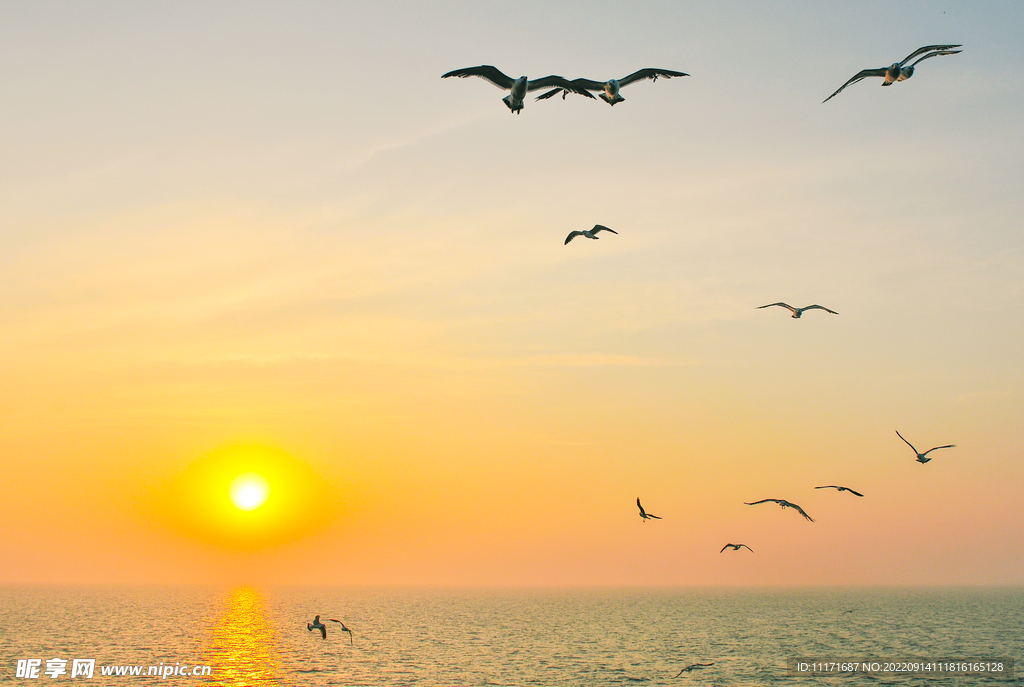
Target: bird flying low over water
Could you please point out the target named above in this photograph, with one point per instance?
(644, 514)
(317, 625)
(518, 87)
(785, 504)
(590, 233)
(343, 629)
(736, 547)
(797, 312)
(693, 666)
(923, 457)
(896, 71)
(609, 90)
(833, 486)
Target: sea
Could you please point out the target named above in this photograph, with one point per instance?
(258, 636)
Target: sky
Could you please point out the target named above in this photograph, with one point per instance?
(273, 228)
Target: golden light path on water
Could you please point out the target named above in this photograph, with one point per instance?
(242, 648)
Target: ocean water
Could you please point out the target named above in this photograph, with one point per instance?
(254, 637)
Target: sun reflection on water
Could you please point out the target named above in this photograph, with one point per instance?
(242, 649)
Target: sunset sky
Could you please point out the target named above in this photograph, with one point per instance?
(272, 227)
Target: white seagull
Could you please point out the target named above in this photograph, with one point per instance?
(834, 486)
(785, 504)
(590, 233)
(609, 90)
(797, 312)
(735, 547)
(644, 514)
(896, 71)
(519, 87)
(923, 458)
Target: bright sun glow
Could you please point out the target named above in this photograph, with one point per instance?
(249, 491)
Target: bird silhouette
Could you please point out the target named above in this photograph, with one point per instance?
(644, 514)
(693, 666)
(833, 486)
(923, 457)
(785, 504)
(608, 90)
(736, 547)
(343, 629)
(589, 233)
(797, 312)
(518, 87)
(896, 71)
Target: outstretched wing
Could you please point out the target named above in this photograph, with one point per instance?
(762, 501)
(559, 82)
(648, 73)
(569, 238)
(656, 517)
(642, 511)
(801, 511)
(748, 549)
(784, 305)
(484, 71)
(827, 486)
(935, 54)
(937, 448)
(323, 631)
(863, 74)
(820, 307)
(905, 441)
(928, 48)
(599, 227)
(855, 493)
(552, 92)
(724, 548)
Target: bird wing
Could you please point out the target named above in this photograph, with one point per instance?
(552, 92)
(569, 238)
(784, 305)
(855, 493)
(801, 510)
(323, 631)
(905, 441)
(648, 73)
(642, 511)
(656, 517)
(724, 548)
(762, 501)
(484, 71)
(934, 54)
(680, 672)
(827, 486)
(598, 227)
(862, 74)
(560, 82)
(748, 549)
(820, 307)
(937, 448)
(927, 48)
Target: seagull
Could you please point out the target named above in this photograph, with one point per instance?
(644, 514)
(833, 486)
(785, 504)
(590, 233)
(735, 547)
(693, 666)
(343, 628)
(797, 312)
(519, 87)
(849, 611)
(923, 457)
(609, 90)
(896, 71)
(317, 625)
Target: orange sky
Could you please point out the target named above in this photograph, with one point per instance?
(263, 243)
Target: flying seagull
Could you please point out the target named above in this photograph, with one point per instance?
(797, 312)
(735, 547)
(343, 629)
(785, 504)
(644, 514)
(317, 625)
(519, 87)
(590, 233)
(693, 666)
(923, 457)
(896, 71)
(609, 90)
(833, 486)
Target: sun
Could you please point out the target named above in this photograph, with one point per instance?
(249, 491)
